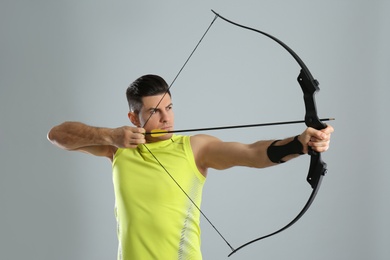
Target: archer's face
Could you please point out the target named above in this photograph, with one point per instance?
(161, 117)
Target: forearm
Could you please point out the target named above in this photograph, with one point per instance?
(75, 135)
(261, 157)
(222, 155)
(281, 151)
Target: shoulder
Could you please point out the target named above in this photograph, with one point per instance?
(204, 145)
(211, 152)
(200, 148)
(200, 142)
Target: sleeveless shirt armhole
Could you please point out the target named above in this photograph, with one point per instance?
(116, 154)
(191, 159)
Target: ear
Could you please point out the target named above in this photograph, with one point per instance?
(134, 119)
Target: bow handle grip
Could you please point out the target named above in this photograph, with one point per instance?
(317, 170)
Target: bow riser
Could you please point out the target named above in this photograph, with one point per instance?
(309, 86)
(317, 170)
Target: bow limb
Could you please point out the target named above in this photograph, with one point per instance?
(317, 168)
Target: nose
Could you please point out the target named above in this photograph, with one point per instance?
(164, 116)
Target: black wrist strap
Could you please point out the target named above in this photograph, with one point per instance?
(276, 153)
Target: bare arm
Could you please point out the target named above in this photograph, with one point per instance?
(99, 141)
(211, 152)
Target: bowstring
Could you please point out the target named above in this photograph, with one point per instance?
(158, 161)
(181, 69)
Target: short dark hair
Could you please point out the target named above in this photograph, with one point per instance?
(147, 85)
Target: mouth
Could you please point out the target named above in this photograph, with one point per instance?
(167, 128)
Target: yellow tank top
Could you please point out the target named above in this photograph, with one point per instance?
(156, 220)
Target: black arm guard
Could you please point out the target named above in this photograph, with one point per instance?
(276, 153)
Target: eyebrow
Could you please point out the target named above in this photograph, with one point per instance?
(156, 108)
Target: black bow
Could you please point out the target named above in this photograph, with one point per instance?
(317, 167)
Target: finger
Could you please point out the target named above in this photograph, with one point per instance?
(316, 134)
(324, 139)
(319, 146)
(136, 141)
(138, 137)
(328, 130)
(141, 130)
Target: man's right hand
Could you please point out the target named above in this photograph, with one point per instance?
(127, 136)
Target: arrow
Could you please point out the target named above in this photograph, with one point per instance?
(160, 132)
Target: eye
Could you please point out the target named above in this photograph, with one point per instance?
(153, 111)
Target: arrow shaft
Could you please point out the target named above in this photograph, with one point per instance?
(234, 126)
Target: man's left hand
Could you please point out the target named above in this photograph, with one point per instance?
(318, 140)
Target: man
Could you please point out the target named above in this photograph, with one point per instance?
(158, 179)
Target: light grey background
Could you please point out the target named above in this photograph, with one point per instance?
(72, 60)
